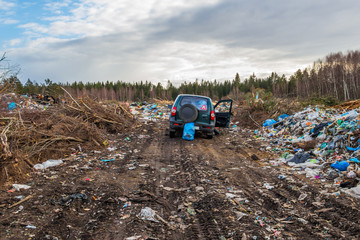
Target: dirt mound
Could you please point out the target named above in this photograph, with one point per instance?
(29, 136)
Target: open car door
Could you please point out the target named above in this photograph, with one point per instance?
(223, 113)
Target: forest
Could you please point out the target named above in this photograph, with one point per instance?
(335, 76)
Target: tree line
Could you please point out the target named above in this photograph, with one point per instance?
(336, 76)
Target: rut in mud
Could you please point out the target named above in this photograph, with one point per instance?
(222, 188)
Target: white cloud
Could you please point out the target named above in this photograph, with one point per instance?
(93, 60)
(57, 7)
(14, 42)
(6, 5)
(95, 18)
(8, 21)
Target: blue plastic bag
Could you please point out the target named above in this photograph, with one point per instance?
(356, 160)
(342, 166)
(12, 106)
(353, 149)
(282, 117)
(189, 131)
(269, 122)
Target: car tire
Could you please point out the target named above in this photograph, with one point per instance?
(188, 113)
(172, 134)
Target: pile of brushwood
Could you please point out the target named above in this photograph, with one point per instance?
(30, 135)
(252, 114)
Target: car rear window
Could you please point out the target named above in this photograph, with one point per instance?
(199, 102)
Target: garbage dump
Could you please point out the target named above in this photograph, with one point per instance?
(159, 110)
(136, 184)
(320, 143)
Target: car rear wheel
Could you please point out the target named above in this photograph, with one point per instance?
(188, 113)
(172, 134)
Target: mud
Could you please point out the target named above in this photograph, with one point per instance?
(201, 189)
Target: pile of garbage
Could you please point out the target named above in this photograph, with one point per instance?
(12, 102)
(150, 111)
(321, 143)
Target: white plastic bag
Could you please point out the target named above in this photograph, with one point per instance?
(47, 164)
(20, 186)
(148, 214)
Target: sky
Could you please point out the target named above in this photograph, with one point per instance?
(176, 40)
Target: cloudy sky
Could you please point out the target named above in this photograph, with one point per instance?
(176, 40)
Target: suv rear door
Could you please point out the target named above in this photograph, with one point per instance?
(201, 105)
(223, 113)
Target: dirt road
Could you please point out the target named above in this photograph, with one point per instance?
(224, 188)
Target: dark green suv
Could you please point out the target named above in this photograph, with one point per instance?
(200, 110)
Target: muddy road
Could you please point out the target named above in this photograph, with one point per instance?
(223, 188)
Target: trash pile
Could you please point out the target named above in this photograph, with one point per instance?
(321, 143)
(13, 102)
(150, 111)
(30, 135)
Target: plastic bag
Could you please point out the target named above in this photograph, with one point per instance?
(282, 117)
(20, 186)
(300, 158)
(269, 122)
(313, 116)
(47, 164)
(148, 214)
(342, 166)
(353, 149)
(189, 131)
(12, 106)
(348, 115)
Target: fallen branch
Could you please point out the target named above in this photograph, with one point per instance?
(71, 97)
(129, 114)
(86, 105)
(4, 141)
(254, 120)
(21, 201)
(164, 221)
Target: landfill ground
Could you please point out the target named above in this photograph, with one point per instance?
(220, 188)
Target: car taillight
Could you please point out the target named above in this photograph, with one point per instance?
(212, 115)
(173, 111)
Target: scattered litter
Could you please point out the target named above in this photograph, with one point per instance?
(239, 215)
(30, 226)
(107, 160)
(133, 237)
(268, 186)
(302, 196)
(12, 106)
(342, 166)
(148, 214)
(67, 200)
(20, 209)
(47, 164)
(175, 189)
(127, 204)
(20, 186)
(351, 174)
(355, 192)
(303, 221)
(191, 211)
